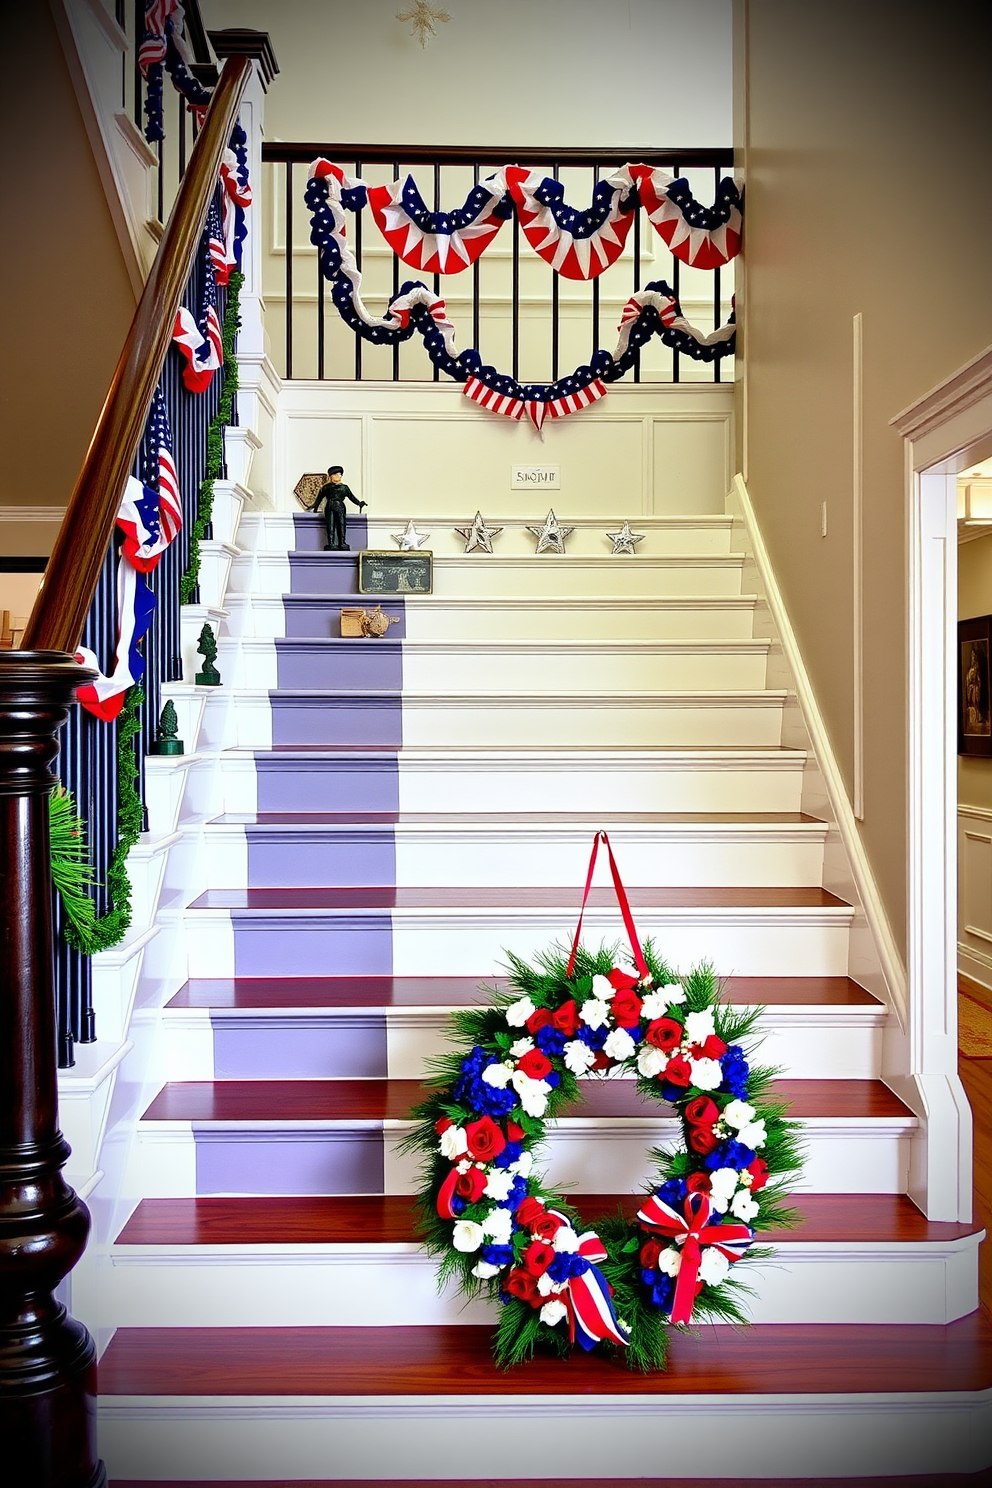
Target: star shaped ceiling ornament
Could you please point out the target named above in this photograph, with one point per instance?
(426, 19)
(551, 537)
(410, 540)
(624, 540)
(478, 535)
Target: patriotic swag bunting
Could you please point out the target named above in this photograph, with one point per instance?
(163, 49)
(503, 1233)
(577, 245)
(439, 242)
(653, 311)
(149, 519)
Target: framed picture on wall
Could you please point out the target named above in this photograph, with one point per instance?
(974, 693)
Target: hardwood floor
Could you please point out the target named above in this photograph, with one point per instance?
(976, 1075)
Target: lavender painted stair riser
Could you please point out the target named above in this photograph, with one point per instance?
(309, 617)
(317, 947)
(285, 783)
(300, 1048)
(298, 859)
(369, 663)
(347, 1161)
(319, 720)
(311, 533)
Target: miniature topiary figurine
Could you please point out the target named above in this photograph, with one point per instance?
(167, 740)
(207, 647)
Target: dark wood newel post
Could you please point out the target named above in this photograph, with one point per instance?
(47, 1359)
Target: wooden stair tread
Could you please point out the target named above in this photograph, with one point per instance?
(391, 1219)
(519, 818)
(247, 993)
(392, 1100)
(461, 896)
(790, 1359)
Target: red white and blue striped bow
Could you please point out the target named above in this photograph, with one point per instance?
(591, 1318)
(668, 313)
(693, 1233)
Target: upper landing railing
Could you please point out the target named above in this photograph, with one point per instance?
(520, 314)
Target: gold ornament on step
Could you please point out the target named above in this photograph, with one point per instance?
(426, 19)
(357, 622)
(478, 535)
(551, 537)
(624, 540)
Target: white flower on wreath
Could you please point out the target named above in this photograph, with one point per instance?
(651, 1061)
(498, 1225)
(673, 993)
(553, 1312)
(595, 1013)
(699, 1026)
(619, 1045)
(713, 1266)
(706, 1074)
(744, 1206)
(518, 1012)
(738, 1113)
(498, 1075)
(548, 1288)
(723, 1186)
(602, 989)
(533, 1093)
(578, 1057)
(670, 1261)
(655, 1005)
(485, 1270)
(521, 1047)
(753, 1135)
(453, 1143)
(523, 1165)
(566, 1241)
(498, 1184)
(467, 1235)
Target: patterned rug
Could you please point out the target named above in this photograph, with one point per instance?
(974, 1028)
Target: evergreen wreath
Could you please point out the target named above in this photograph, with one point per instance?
(498, 1228)
(72, 873)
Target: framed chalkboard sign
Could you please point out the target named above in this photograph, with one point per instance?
(395, 573)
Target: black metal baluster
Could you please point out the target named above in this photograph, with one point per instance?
(120, 15)
(515, 296)
(675, 291)
(595, 284)
(555, 308)
(160, 196)
(182, 139)
(437, 277)
(289, 268)
(396, 289)
(716, 283)
(359, 217)
(476, 271)
(320, 321)
(138, 12)
(637, 282)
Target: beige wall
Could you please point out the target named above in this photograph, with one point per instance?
(975, 598)
(67, 298)
(866, 138)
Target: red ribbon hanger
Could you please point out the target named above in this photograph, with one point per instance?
(628, 918)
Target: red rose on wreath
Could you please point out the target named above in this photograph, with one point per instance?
(626, 1009)
(698, 1183)
(711, 1048)
(601, 1061)
(484, 1138)
(622, 981)
(665, 1034)
(529, 1210)
(701, 1111)
(442, 1126)
(514, 1133)
(523, 1285)
(471, 1185)
(650, 1251)
(759, 1174)
(677, 1071)
(535, 1065)
(546, 1226)
(540, 1018)
(538, 1257)
(566, 1018)
(703, 1139)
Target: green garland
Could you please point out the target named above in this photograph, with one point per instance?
(71, 870)
(215, 438)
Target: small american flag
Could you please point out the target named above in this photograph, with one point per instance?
(153, 43)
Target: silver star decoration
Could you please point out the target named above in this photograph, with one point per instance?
(426, 19)
(551, 537)
(410, 540)
(624, 540)
(478, 535)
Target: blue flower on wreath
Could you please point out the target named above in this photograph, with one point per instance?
(663, 1293)
(509, 1155)
(550, 1041)
(595, 1038)
(673, 1192)
(565, 1266)
(730, 1154)
(517, 1194)
(497, 1255)
(735, 1071)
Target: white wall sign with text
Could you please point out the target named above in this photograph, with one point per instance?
(535, 477)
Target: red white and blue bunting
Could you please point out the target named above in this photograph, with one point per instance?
(163, 49)
(578, 243)
(652, 311)
(150, 518)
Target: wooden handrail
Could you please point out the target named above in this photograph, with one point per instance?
(282, 151)
(63, 602)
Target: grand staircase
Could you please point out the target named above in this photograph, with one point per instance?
(387, 817)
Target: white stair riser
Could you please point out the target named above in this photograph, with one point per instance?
(555, 1436)
(586, 1155)
(321, 1286)
(400, 1042)
(502, 783)
(409, 856)
(786, 943)
(216, 559)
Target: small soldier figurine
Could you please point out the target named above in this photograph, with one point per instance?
(334, 494)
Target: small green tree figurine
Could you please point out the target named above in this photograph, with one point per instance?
(167, 740)
(207, 647)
